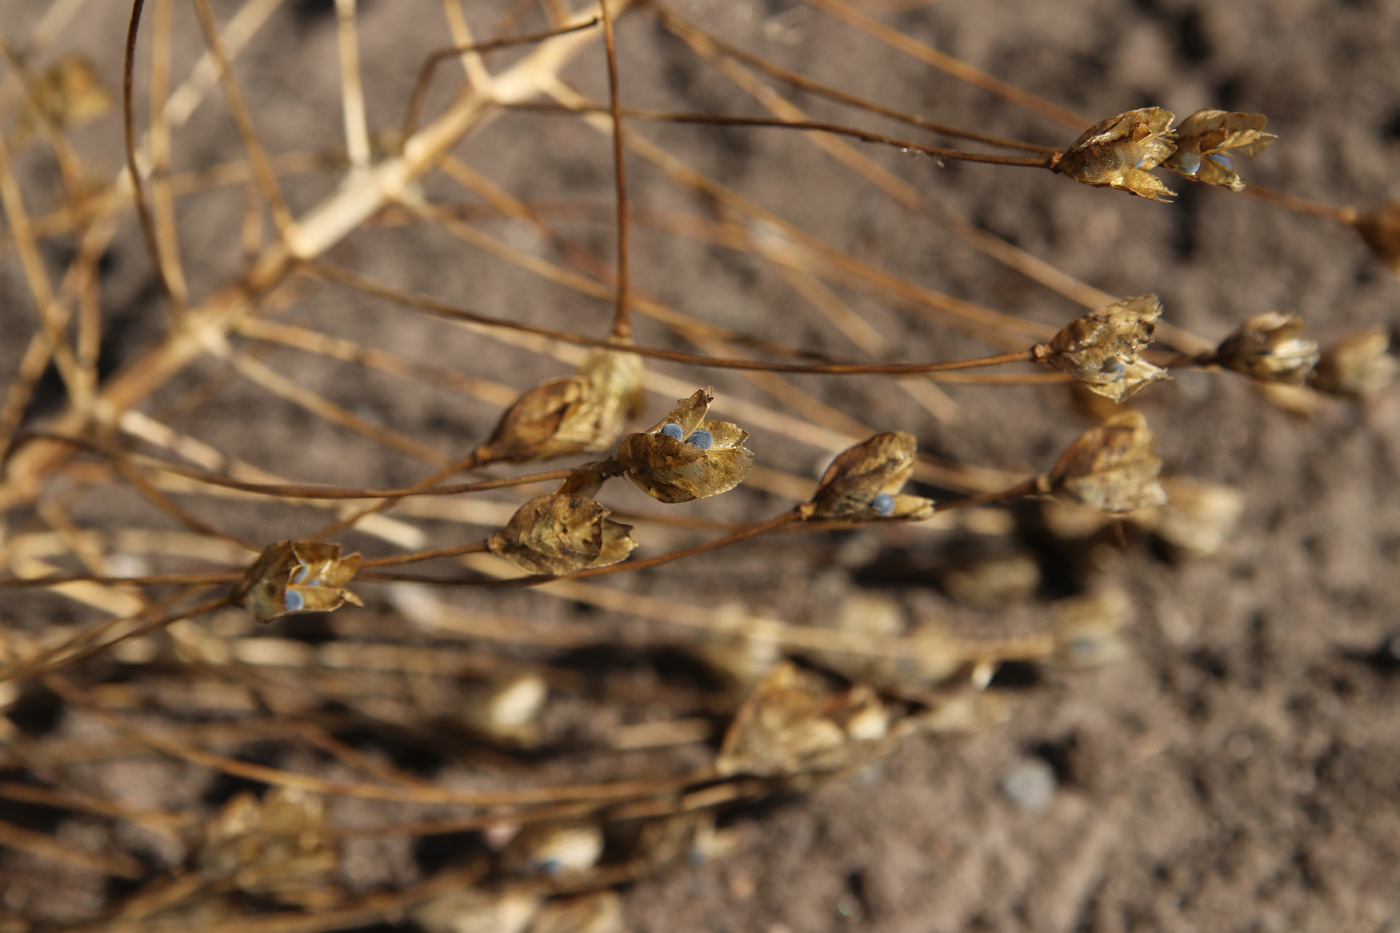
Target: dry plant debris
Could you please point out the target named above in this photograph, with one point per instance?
(454, 747)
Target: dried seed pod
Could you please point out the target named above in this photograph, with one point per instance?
(1270, 348)
(732, 650)
(861, 613)
(992, 580)
(668, 468)
(474, 910)
(559, 534)
(1199, 518)
(64, 94)
(555, 849)
(1112, 468)
(507, 711)
(1204, 139)
(1360, 366)
(1121, 152)
(600, 912)
(270, 847)
(1100, 350)
(583, 413)
(862, 474)
(1380, 228)
(1088, 629)
(790, 725)
(297, 576)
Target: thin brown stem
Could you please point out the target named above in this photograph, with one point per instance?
(621, 329)
(443, 309)
(704, 119)
(138, 187)
(1305, 206)
(677, 24)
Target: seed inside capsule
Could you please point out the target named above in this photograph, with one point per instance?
(702, 439)
(673, 430)
(883, 504)
(293, 601)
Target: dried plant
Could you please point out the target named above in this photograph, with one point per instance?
(1206, 139)
(1122, 151)
(181, 523)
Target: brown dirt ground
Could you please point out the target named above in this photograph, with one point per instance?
(1240, 768)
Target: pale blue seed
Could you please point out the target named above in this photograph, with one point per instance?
(293, 601)
(1221, 160)
(883, 504)
(673, 430)
(702, 439)
(1113, 367)
(300, 575)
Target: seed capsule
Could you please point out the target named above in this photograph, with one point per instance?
(582, 413)
(1100, 350)
(1203, 139)
(669, 469)
(863, 482)
(297, 576)
(1121, 152)
(1112, 468)
(1269, 348)
(559, 534)
(1358, 367)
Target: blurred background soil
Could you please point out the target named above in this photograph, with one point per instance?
(1238, 769)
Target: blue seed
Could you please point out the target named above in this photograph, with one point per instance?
(702, 439)
(300, 575)
(1187, 163)
(293, 601)
(1221, 160)
(673, 430)
(883, 504)
(1113, 367)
